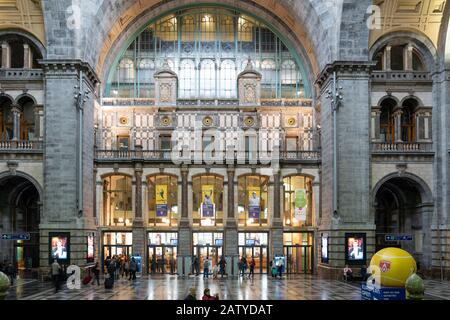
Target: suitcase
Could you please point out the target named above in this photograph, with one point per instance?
(87, 280)
(274, 272)
(109, 283)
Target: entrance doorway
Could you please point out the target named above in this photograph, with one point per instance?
(117, 244)
(207, 245)
(162, 252)
(254, 245)
(298, 252)
(20, 213)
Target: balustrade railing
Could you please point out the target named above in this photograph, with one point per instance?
(20, 145)
(402, 147)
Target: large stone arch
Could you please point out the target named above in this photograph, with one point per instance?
(419, 40)
(444, 36)
(8, 174)
(425, 191)
(27, 35)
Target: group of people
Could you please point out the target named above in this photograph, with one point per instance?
(243, 265)
(121, 266)
(218, 268)
(159, 264)
(206, 295)
(8, 269)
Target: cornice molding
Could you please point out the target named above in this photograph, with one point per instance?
(70, 66)
(350, 68)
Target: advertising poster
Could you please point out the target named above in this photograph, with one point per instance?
(59, 247)
(300, 205)
(324, 248)
(207, 201)
(355, 248)
(161, 200)
(90, 248)
(254, 202)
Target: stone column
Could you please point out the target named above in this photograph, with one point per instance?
(138, 223)
(353, 173)
(231, 250)
(277, 222)
(16, 111)
(408, 57)
(38, 122)
(184, 231)
(375, 124)
(6, 55)
(398, 125)
(27, 57)
(62, 154)
(387, 58)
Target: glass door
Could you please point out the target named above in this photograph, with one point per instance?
(298, 259)
(259, 253)
(213, 253)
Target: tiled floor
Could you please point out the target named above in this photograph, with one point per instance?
(168, 287)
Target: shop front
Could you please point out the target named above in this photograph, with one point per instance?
(162, 252)
(117, 244)
(255, 245)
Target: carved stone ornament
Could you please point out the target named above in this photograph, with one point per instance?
(249, 93)
(165, 92)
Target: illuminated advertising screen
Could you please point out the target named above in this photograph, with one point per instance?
(324, 248)
(355, 248)
(90, 248)
(59, 245)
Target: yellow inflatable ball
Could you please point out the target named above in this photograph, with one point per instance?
(391, 267)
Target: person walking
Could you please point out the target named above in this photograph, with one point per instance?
(96, 272)
(252, 268)
(153, 264)
(133, 268)
(111, 270)
(196, 266)
(10, 272)
(222, 265)
(56, 271)
(126, 268)
(206, 265)
(280, 268)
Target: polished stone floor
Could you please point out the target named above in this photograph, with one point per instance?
(169, 287)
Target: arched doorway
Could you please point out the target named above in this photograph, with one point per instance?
(403, 212)
(20, 213)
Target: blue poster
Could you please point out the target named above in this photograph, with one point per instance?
(253, 212)
(161, 210)
(374, 293)
(207, 210)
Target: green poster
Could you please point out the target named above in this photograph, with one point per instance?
(300, 204)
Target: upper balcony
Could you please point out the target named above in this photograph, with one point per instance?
(238, 157)
(21, 75)
(14, 149)
(397, 76)
(402, 148)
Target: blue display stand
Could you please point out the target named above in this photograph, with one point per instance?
(374, 293)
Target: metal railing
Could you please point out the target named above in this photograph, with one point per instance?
(168, 155)
(402, 147)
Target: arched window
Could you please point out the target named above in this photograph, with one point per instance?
(208, 79)
(298, 201)
(269, 79)
(187, 79)
(408, 120)
(228, 80)
(214, 39)
(6, 119)
(253, 200)
(207, 199)
(387, 121)
(117, 201)
(27, 125)
(162, 200)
